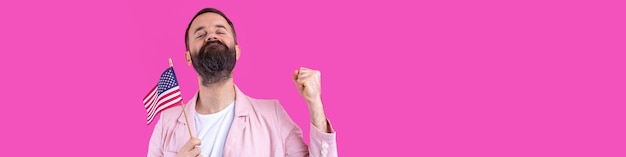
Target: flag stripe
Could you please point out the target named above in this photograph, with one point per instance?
(151, 102)
(165, 105)
(151, 119)
(150, 95)
(166, 96)
(153, 105)
(151, 99)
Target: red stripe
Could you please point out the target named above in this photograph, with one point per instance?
(161, 97)
(151, 101)
(155, 105)
(168, 101)
(151, 116)
(156, 110)
(168, 94)
(151, 104)
(150, 94)
(152, 107)
(163, 102)
(168, 107)
(153, 112)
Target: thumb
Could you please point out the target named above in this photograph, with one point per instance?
(295, 75)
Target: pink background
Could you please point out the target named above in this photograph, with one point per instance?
(400, 78)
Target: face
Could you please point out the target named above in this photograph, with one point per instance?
(212, 51)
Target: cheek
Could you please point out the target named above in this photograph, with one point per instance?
(227, 40)
(196, 47)
(231, 44)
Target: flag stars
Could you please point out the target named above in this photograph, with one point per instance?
(167, 81)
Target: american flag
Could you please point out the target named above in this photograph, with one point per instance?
(164, 95)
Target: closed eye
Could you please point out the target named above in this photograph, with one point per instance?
(201, 36)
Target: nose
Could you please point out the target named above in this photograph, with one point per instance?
(211, 37)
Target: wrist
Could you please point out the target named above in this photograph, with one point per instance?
(314, 103)
(318, 116)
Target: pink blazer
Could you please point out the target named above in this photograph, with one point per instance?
(260, 128)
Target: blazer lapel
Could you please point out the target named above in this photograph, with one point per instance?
(240, 122)
(190, 109)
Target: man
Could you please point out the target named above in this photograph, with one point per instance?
(226, 122)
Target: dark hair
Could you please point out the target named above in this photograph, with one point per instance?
(208, 10)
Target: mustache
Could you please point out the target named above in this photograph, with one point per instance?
(208, 43)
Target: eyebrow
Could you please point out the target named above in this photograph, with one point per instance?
(221, 26)
(202, 27)
(198, 29)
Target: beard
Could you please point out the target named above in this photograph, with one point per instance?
(214, 62)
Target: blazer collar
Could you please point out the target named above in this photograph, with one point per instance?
(242, 107)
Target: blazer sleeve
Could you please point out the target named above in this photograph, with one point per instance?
(322, 144)
(155, 148)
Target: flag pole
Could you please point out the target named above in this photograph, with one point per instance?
(183, 106)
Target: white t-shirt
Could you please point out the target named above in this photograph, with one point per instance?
(212, 130)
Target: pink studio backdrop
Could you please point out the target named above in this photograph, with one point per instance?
(400, 78)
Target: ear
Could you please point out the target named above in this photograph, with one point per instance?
(238, 51)
(188, 58)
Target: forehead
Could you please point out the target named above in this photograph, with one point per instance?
(208, 20)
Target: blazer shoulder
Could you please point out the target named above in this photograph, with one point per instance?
(265, 106)
(263, 103)
(171, 113)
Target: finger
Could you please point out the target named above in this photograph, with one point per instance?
(304, 68)
(305, 77)
(191, 144)
(194, 142)
(295, 75)
(195, 152)
(305, 71)
(308, 71)
(303, 81)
